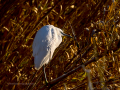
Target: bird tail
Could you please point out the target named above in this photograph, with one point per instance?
(37, 63)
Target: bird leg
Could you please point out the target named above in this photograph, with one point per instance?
(46, 81)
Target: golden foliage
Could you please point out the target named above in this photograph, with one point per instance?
(21, 19)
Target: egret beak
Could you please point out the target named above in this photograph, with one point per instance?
(66, 35)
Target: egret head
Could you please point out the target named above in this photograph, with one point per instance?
(66, 34)
(62, 33)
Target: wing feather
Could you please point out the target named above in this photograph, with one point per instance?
(42, 47)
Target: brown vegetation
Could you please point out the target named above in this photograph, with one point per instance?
(88, 61)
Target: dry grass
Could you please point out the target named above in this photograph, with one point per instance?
(94, 63)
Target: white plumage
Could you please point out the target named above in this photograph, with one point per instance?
(47, 39)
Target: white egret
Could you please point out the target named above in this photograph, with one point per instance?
(47, 39)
